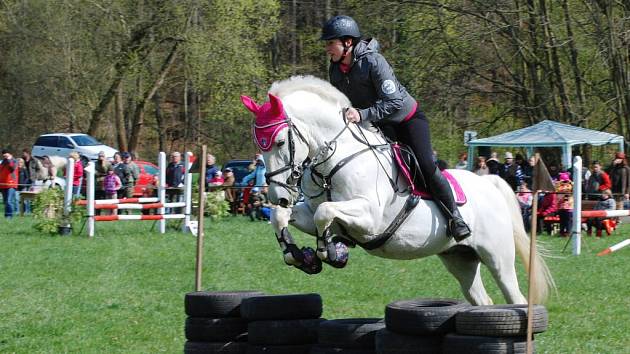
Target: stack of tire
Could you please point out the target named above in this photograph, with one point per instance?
(495, 329)
(282, 324)
(348, 336)
(214, 323)
(418, 326)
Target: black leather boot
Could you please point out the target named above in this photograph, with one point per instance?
(441, 190)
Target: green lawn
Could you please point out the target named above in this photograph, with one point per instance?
(122, 292)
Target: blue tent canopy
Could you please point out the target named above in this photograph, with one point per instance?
(548, 134)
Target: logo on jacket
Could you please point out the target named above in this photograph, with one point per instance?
(388, 87)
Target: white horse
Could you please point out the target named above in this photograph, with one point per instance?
(307, 144)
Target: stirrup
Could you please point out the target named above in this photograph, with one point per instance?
(458, 229)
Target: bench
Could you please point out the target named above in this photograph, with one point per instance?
(610, 225)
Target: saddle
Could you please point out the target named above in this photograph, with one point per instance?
(406, 162)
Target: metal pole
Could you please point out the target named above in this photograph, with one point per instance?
(90, 197)
(577, 206)
(202, 202)
(187, 191)
(161, 188)
(67, 199)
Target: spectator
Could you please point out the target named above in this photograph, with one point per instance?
(26, 156)
(111, 185)
(494, 166)
(230, 193)
(131, 174)
(565, 202)
(481, 169)
(511, 172)
(217, 179)
(547, 207)
(101, 169)
(257, 175)
(211, 169)
(525, 199)
(77, 177)
(462, 162)
(528, 170)
(175, 173)
(257, 207)
(8, 183)
(119, 170)
(620, 176)
(626, 202)
(24, 184)
(597, 182)
(606, 202)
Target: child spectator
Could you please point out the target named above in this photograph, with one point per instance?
(565, 202)
(525, 198)
(217, 179)
(547, 207)
(481, 169)
(606, 202)
(111, 185)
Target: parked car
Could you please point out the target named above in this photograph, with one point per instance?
(239, 167)
(61, 144)
(146, 185)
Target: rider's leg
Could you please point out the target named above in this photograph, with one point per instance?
(415, 133)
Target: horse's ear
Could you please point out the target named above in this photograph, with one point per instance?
(250, 104)
(276, 106)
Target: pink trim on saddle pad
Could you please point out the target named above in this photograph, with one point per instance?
(270, 120)
(458, 192)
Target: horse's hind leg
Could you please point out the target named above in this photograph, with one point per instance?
(501, 266)
(465, 266)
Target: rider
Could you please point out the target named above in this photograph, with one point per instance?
(358, 70)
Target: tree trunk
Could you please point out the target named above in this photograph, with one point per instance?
(575, 68)
(121, 131)
(138, 118)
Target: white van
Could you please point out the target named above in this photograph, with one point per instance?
(62, 144)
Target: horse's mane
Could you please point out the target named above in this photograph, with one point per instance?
(311, 84)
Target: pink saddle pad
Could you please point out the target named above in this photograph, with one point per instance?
(456, 188)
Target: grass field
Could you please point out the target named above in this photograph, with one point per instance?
(122, 292)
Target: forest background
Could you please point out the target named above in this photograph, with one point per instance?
(166, 75)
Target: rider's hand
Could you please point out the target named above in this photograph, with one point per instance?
(352, 115)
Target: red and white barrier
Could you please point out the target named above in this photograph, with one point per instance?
(614, 248)
(158, 203)
(605, 213)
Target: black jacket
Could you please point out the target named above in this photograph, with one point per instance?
(372, 86)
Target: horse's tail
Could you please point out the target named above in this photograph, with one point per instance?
(543, 281)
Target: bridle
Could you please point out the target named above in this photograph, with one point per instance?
(296, 169)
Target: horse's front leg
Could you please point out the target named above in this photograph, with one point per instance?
(301, 217)
(356, 218)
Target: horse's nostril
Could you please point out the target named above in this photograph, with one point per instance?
(283, 202)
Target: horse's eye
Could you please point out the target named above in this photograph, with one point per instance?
(280, 143)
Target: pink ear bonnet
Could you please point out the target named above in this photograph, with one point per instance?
(270, 120)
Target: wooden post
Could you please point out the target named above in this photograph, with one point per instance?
(202, 202)
(532, 261)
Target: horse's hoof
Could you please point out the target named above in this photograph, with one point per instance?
(341, 256)
(311, 264)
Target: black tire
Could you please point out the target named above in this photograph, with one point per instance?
(501, 320)
(283, 332)
(211, 348)
(457, 344)
(282, 307)
(279, 349)
(423, 316)
(332, 350)
(216, 304)
(357, 333)
(202, 329)
(388, 342)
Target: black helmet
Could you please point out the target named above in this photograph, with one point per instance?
(339, 27)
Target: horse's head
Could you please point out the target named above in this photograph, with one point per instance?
(280, 146)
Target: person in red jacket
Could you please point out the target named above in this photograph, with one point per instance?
(8, 182)
(548, 206)
(77, 177)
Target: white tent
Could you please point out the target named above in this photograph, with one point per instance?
(547, 134)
